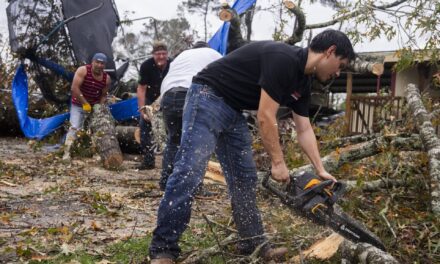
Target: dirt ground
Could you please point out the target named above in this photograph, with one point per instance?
(45, 203)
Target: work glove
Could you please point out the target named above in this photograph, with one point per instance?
(146, 112)
(87, 107)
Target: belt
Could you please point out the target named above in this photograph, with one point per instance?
(178, 89)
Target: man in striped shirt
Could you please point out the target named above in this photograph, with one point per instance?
(89, 87)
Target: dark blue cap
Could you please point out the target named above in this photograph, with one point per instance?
(100, 57)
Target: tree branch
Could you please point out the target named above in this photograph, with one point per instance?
(430, 141)
(353, 14)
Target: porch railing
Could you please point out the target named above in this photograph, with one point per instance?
(368, 113)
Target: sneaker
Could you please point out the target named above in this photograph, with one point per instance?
(144, 166)
(276, 254)
(162, 261)
(204, 194)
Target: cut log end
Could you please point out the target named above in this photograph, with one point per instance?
(137, 135)
(225, 15)
(377, 69)
(113, 162)
(289, 4)
(323, 249)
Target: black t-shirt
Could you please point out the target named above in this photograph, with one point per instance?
(152, 76)
(276, 67)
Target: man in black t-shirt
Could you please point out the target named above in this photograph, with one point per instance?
(151, 74)
(258, 76)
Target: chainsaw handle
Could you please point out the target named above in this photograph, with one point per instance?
(285, 198)
(338, 191)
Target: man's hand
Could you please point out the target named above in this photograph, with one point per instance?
(87, 107)
(326, 176)
(280, 173)
(147, 112)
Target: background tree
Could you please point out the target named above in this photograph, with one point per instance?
(203, 7)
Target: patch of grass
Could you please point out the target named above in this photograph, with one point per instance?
(198, 237)
(134, 250)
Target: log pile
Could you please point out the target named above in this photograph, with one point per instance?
(104, 137)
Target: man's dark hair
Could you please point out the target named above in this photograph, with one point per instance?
(200, 44)
(329, 37)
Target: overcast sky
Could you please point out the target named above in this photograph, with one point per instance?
(263, 26)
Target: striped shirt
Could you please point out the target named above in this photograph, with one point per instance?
(91, 88)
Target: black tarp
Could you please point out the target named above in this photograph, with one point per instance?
(93, 32)
(29, 21)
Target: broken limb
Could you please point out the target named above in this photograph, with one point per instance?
(364, 253)
(370, 148)
(372, 186)
(344, 141)
(430, 141)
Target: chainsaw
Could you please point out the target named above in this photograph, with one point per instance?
(315, 199)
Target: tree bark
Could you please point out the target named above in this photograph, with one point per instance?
(430, 141)
(344, 141)
(159, 131)
(364, 253)
(104, 137)
(372, 186)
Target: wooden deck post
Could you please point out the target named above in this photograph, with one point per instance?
(348, 102)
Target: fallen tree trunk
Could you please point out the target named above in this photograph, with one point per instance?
(430, 141)
(104, 137)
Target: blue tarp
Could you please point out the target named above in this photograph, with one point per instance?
(220, 39)
(39, 128)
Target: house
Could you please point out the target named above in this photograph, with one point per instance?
(372, 101)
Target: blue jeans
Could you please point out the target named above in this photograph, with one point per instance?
(209, 125)
(146, 140)
(172, 109)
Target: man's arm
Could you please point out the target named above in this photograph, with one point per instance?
(105, 90)
(268, 128)
(141, 92)
(78, 79)
(307, 141)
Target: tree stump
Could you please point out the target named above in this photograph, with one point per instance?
(104, 137)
